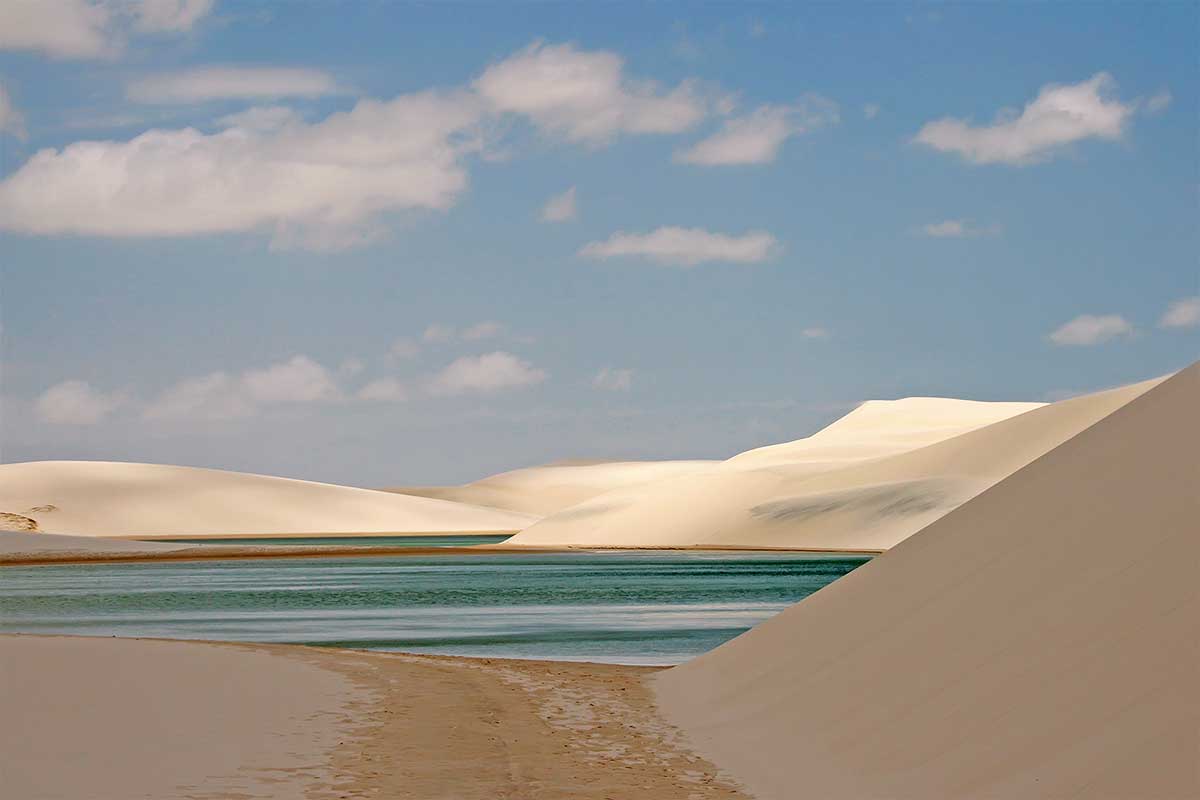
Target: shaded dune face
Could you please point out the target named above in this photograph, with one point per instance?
(828, 499)
(1040, 641)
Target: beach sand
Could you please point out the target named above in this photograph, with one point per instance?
(118, 719)
(1041, 641)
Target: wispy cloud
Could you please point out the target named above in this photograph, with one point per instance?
(11, 120)
(203, 84)
(1089, 329)
(1183, 313)
(686, 247)
(76, 402)
(610, 379)
(958, 229)
(560, 208)
(491, 372)
(756, 137)
(1060, 115)
(82, 29)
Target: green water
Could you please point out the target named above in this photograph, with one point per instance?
(633, 608)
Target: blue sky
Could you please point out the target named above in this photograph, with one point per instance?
(321, 241)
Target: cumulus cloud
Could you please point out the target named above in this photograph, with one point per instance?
(76, 403)
(1089, 329)
(219, 395)
(86, 29)
(560, 208)
(1183, 313)
(383, 390)
(609, 379)
(11, 120)
(230, 82)
(685, 247)
(1060, 115)
(756, 137)
(320, 185)
(491, 372)
(957, 229)
(585, 96)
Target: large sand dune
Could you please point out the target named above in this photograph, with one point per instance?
(833, 491)
(97, 498)
(549, 488)
(1041, 641)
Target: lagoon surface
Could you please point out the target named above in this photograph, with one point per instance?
(619, 607)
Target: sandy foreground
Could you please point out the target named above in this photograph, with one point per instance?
(119, 719)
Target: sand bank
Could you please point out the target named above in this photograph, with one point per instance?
(1041, 641)
(117, 719)
(97, 498)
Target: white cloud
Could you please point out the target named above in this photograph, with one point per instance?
(1060, 115)
(218, 395)
(560, 208)
(76, 403)
(1183, 313)
(158, 16)
(613, 380)
(351, 366)
(1159, 101)
(320, 185)
(815, 332)
(871, 110)
(87, 29)
(11, 120)
(585, 96)
(1088, 329)
(756, 137)
(438, 334)
(486, 373)
(229, 82)
(957, 229)
(481, 330)
(383, 390)
(685, 246)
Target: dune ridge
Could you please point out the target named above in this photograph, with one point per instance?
(98, 498)
(1040, 641)
(834, 494)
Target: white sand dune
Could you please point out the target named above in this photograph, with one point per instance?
(97, 498)
(549, 488)
(832, 491)
(1041, 641)
(13, 543)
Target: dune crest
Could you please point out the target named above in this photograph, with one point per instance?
(1040, 641)
(98, 498)
(831, 491)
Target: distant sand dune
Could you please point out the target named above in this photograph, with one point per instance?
(836, 490)
(552, 487)
(1041, 641)
(97, 498)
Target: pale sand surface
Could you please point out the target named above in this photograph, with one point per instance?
(96, 498)
(837, 494)
(551, 487)
(1041, 641)
(121, 719)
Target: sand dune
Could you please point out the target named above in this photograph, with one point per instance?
(835, 493)
(552, 487)
(96, 498)
(1041, 641)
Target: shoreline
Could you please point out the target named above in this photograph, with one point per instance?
(233, 553)
(391, 725)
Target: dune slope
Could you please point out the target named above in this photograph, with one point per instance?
(1040, 641)
(549, 488)
(827, 500)
(96, 498)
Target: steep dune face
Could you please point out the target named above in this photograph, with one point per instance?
(96, 498)
(1040, 641)
(827, 500)
(550, 488)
